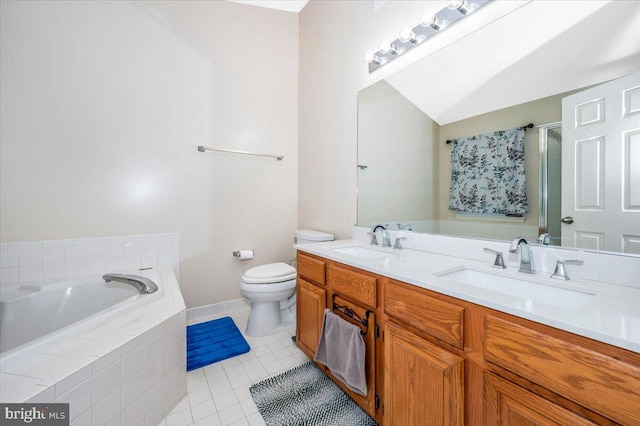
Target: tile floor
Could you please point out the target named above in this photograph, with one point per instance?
(218, 394)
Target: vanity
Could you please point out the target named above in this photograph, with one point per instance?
(449, 341)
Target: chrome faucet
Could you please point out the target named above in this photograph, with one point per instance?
(386, 240)
(142, 284)
(526, 257)
(544, 239)
(405, 227)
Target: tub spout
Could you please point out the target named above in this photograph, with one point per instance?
(142, 284)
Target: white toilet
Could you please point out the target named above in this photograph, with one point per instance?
(271, 289)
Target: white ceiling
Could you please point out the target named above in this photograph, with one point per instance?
(287, 5)
(538, 50)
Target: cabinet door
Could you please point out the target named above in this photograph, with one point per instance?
(424, 383)
(507, 404)
(311, 302)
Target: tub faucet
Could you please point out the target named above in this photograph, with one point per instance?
(526, 257)
(142, 284)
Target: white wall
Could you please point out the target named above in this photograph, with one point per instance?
(103, 104)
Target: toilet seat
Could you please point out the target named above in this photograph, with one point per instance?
(270, 273)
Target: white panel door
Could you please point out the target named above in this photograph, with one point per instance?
(601, 167)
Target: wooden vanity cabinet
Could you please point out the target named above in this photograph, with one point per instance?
(321, 283)
(311, 301)
(423, 382)
(445, 361)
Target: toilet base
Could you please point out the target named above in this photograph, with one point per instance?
(264, 318)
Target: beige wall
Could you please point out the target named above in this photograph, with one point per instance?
(334, 37)
(103, 104)
(398, 144)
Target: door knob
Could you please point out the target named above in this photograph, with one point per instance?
(567, 219)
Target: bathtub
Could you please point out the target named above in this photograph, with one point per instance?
(63, 341)
(29, 314)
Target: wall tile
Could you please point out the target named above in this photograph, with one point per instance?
(76, 253)
(57, 243)
(96, 266)
(95, 251)
(54, 271)
(9, 276)
(103, 411)
(53, 254)
(78, 397)
(115, 264)
(31, 257)
(73, 380)
(115, 250)
(133, 248)
(9, 259)
(105, 382)
(76, 268)
(30, 273)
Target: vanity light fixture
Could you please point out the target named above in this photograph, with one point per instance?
(390, 48)
(462, 6)
(431, 20)
(408, 36)
(430, 24)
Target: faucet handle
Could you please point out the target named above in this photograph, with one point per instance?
(398, 243)
(560, 273)
(374, 240)
(499, 262)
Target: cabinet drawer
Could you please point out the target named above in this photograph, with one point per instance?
(310, 268)
(599, 382)
(353, 284)
(432, 316)
(505, 402)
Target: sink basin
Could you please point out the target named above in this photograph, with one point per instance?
(361, 252)
(532, 291)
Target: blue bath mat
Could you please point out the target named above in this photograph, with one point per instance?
(213, 341)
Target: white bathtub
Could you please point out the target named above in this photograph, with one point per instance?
(29, 314)
(83, 334)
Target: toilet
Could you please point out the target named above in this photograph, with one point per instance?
(271, 289)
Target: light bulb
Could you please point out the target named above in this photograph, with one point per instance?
(389, 47)
(430, 20)
(371, 58)
(406, 35)
(463, 6)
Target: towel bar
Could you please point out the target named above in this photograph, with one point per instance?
(352, 314)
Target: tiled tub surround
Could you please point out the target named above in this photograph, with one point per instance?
(37, 261)
(129, 370)
(611, 316)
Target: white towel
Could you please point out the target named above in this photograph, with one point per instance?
(342, 349)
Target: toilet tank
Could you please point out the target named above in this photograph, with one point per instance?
(305, 236)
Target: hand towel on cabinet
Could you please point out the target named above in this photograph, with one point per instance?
(341, 348)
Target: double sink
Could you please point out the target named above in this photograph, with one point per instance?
(531, 288)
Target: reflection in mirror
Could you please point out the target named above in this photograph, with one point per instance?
(550, 183)
(404, 120)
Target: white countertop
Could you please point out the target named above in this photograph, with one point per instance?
(611, 315)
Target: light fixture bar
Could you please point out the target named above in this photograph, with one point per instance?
(430, 24)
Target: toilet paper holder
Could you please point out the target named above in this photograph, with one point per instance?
(243, 254)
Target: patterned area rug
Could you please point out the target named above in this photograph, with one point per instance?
(306, 396)
(213, 341)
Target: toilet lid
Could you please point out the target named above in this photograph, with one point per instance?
(269, 273)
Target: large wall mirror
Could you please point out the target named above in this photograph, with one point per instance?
(483, 83)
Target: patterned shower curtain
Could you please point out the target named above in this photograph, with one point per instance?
(487, 173)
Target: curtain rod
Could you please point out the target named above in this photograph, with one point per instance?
(232, 151)
(528, 126)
